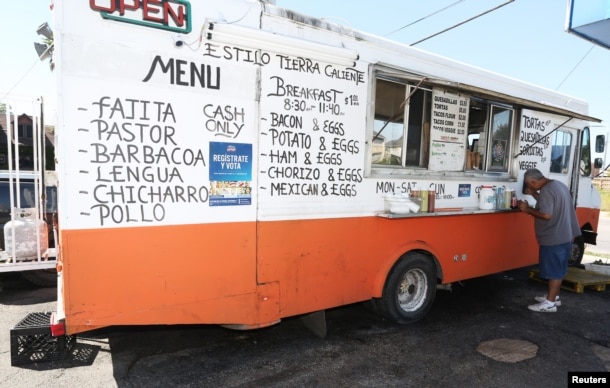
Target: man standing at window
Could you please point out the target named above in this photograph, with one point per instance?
(556, 227)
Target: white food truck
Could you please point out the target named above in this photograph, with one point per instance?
(235, 163)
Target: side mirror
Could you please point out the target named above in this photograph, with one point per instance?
(598, 163)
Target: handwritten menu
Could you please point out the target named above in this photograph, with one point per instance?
(311, 123)
(134, 167)
(534, 142)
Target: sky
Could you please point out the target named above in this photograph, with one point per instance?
(22, 75)
(525, 39)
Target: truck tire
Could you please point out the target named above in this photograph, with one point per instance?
(409, 289)
(578, 251)
(41, 277)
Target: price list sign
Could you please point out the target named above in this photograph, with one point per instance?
(448, 131)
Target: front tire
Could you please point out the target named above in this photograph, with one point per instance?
(409, 289)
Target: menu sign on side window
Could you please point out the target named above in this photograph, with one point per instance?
(448, 131)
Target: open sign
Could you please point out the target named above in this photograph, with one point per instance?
(171, 15)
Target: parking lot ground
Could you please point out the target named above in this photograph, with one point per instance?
(360, 349)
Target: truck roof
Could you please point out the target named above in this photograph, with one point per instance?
(440, 70)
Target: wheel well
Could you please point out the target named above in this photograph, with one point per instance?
(383, 276)
(437, 266)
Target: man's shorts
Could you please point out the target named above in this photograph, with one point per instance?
(554, 260)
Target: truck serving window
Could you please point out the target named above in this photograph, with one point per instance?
(490, 134)
(561, 144)
(413, 119)
(402, 125)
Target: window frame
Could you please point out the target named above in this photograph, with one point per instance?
(493, 141)
(410, 90)
(25, 131)
(600, 143)
(412, 82)
(586, 156)
(566, 163)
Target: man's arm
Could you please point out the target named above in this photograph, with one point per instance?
(525, 207)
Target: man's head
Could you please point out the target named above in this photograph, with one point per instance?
(534, 179)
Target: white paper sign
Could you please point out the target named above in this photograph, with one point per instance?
(448, 131)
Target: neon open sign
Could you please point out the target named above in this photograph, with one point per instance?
(171, 15)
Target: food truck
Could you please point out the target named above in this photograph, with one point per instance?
(236, 163)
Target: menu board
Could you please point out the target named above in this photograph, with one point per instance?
(448, 130)
(534, 140)
(311, 148)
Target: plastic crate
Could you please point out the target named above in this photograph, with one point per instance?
(31, 341)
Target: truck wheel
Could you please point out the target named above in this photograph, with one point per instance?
(409, 289)
(41, 277)
(578, 251)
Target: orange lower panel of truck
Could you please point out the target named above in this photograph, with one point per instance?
(254, 274)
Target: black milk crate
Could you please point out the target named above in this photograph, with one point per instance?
(31, 341)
